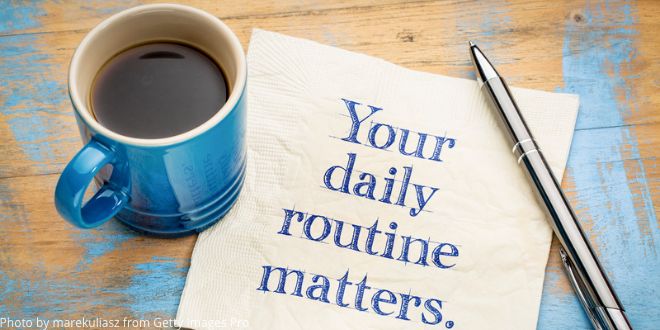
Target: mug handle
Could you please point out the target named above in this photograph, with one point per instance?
(75, 178)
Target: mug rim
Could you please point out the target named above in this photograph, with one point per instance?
(237, 91)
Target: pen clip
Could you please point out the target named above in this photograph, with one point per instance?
(579, 288)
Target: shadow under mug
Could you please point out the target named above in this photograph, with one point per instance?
(168, 186)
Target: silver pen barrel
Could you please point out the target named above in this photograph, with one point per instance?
(585, 272)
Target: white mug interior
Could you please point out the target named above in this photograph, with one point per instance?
(150, 23)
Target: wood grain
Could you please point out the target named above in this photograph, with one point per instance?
(607, 52)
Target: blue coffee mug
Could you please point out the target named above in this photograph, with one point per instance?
(167, 186)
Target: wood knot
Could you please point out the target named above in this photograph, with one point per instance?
(406, 36)
(578, 18)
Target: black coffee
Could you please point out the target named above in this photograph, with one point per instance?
(158, 90)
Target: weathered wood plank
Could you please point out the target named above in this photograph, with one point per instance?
(56, 16)
(607, 173)
(50, 269)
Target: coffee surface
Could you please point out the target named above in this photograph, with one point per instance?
(158, 90)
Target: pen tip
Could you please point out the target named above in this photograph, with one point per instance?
(471, 43)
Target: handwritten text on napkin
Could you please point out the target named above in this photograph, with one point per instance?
(376, 197)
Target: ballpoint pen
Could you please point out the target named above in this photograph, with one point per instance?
(584, 271)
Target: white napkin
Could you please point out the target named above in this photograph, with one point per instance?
(317, 111)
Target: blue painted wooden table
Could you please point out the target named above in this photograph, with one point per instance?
(608, 53)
